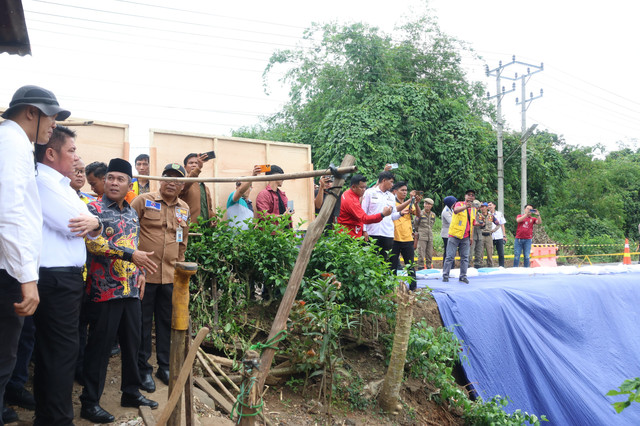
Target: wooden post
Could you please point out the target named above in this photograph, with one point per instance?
(179, 330)
(183, 377)
(280, 322)
(189, 419)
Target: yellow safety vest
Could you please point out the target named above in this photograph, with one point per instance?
(459, 223)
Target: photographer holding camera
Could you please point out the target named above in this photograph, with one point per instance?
(524, 235)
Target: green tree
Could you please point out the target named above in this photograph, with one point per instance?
(402, 99)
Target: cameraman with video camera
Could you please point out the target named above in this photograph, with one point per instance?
(524, 235)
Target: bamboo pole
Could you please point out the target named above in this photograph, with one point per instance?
(218, 369)
(185, 370)
(214, 377)
(280, 322)
(263, 178)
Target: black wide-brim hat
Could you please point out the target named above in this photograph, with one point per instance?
(38, 97)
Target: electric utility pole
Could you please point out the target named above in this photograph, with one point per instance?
(500, 93)
(525, 135)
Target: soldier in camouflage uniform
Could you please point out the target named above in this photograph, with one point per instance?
(423, 225)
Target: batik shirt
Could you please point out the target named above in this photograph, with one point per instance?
(112, 275)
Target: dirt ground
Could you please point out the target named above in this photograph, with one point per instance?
(287, 404)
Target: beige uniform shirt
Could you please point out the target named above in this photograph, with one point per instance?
(160, 225)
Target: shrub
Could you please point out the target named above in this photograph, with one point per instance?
(366, 279)
(232, 263)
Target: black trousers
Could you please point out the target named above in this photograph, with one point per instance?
(445, 241)
(499, 245)
(56, 350)
(385, 244)
(117, 317)
(404, 248)
(83, 325)
(26, 343)
(156, 304)
(10, 328)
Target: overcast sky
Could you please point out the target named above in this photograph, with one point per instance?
(197, 65)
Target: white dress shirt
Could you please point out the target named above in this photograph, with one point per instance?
(20, 212)
(498, 235)
(374, 201)
(60, 203)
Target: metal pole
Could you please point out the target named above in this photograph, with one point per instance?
(523, 164)
(500, 155)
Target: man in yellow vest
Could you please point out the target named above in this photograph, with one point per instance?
(460, 233)
(140, 185)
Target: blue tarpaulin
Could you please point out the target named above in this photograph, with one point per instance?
(553, 344)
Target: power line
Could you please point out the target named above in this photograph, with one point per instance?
(170, 107)
(159, 60)
(129, 42)
(203, 91)
(164, 30)
(596, 96)
(175, 119)
(598, 87)
(174, 21)
(209, 14)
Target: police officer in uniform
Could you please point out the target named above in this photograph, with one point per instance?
(423, 226)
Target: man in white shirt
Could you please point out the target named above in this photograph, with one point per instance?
(499, 234)
(31, 117)
(61, 284)
(374, 200)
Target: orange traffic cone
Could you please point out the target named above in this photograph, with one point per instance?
(626, 258)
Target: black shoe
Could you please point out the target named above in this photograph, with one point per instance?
(147, 384)
(163, 375)
(129, 400)
(445, 280)
(9, 415)
(96, 414)
(464, 280)
(21, 397)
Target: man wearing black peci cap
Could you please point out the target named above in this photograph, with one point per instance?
(31, 117)
(115, 285)
(164, 227)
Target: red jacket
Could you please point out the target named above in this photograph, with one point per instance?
(352, 216)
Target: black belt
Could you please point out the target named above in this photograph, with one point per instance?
(63, 269)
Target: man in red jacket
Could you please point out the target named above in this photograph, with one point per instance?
(352, 215)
